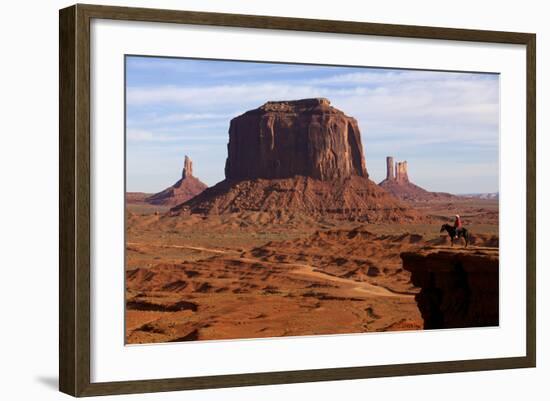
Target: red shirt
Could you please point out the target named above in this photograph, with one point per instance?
(458, 223)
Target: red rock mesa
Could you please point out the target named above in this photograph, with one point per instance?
(304, 137)
(301, 156)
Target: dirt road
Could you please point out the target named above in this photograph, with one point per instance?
(362, 287)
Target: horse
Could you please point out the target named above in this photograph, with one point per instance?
(453, 232)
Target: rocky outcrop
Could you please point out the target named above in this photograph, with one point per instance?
(305, 137)
(187, 168)
(401, 173)
(303, 157)
(187, 187)
(390, 175)
(458, 288)
(398, 184)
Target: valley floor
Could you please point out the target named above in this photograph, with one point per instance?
(251, 275)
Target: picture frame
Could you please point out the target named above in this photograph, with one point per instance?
(75, 201)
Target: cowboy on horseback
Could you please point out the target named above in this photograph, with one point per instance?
(456, 231)
(457, 226)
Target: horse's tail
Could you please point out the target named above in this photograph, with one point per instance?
(466, 237)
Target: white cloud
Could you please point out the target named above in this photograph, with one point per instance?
(389, 97)
(185, 117)
(138, 135)
(213, 96)
(424, 108)
(399, 113)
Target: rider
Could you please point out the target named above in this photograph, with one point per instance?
(457, 225)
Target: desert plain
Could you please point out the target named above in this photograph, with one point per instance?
(289, 249)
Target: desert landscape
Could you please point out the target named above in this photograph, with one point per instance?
(299, 240)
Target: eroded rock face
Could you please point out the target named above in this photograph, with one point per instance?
(390, 176)
(458, 288)
(305, 137)
(401, 172)
(187, 167)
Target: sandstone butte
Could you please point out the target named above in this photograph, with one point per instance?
(398, 184)
(184, 189)
(302, 156)
(304, 137)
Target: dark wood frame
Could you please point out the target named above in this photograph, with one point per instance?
(74, 199)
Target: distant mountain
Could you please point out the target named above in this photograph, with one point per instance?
(136, 197)
(488, 195)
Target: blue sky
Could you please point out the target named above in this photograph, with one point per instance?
(446, 125)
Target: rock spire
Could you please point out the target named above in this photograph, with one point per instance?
(187, 187)
(187, 167)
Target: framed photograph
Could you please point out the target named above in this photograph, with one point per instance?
(249, 200)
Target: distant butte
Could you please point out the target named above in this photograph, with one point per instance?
(184, 189)
(397, 183)
(298, 157)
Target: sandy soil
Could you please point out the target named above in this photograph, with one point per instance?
(251, 275)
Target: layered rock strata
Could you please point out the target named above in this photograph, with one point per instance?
(458, 288)
(305, 137)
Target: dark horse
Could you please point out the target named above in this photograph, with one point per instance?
(453, 232)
